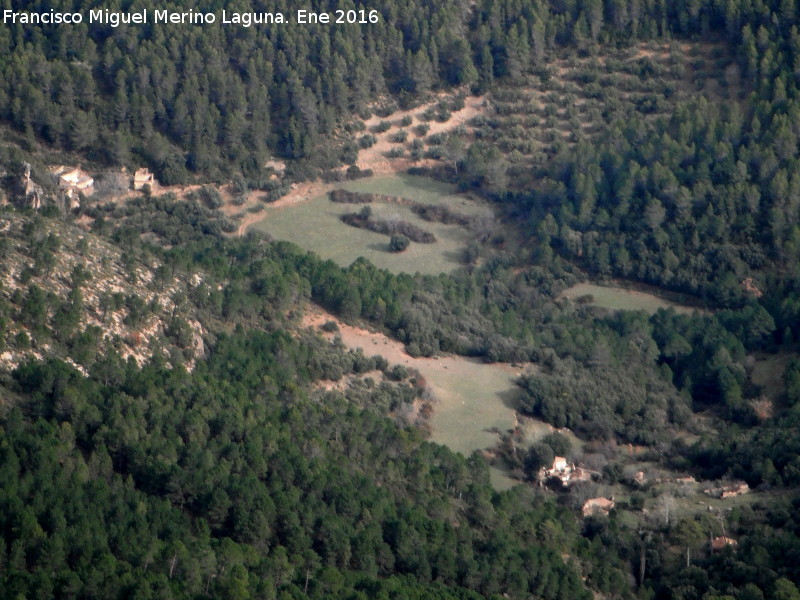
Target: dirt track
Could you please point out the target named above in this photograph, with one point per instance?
(373, 158)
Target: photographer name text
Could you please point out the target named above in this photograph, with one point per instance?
(192, 17)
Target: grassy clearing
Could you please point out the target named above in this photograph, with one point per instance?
(473, 400)
(533, 430)
(315, 226)
(500, 479)
(699, 503)
(616, 298)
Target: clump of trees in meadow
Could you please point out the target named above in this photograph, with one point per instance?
(364, 220)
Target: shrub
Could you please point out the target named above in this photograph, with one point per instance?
(207, 195)
(348, 197)
(398, 242)
(22, 341)
(367, 141)
(355, 126)
(364, 220)
(429, 114)
(381, 127)
(443, 115)
(329, 326)
(386, 110)
(559, 443)
(398, 137)
(416, 149)
(330, 176)
(435, 152)
(398, 373)
(356, 172)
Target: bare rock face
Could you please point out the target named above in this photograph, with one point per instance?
(198, 346)
(30, 193)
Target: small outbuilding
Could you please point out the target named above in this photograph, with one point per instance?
(73, 180)
(143, 177)
(595, 506)
(718, 544)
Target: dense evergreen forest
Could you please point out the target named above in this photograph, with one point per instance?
(701, 199)
(232, 475)
(229, 482)
(217, 99)
(238, 479)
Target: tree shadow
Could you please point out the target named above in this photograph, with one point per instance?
(511, 398)
(427, 184)
(379, 247)
(454, 257)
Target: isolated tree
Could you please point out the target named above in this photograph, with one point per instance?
(398, 242)
(666, 508)
(688, 533)
(454, 150)
(538, 456)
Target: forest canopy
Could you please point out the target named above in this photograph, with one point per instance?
(232, 473)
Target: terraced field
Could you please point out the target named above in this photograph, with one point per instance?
(576, 98)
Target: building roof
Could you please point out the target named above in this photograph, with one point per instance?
(718, 543)
(72, 178)
(594, 505)
(143, 177)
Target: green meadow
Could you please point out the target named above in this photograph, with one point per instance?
(617, 298)
(315, 225)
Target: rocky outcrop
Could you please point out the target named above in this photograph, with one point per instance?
(30, 193)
